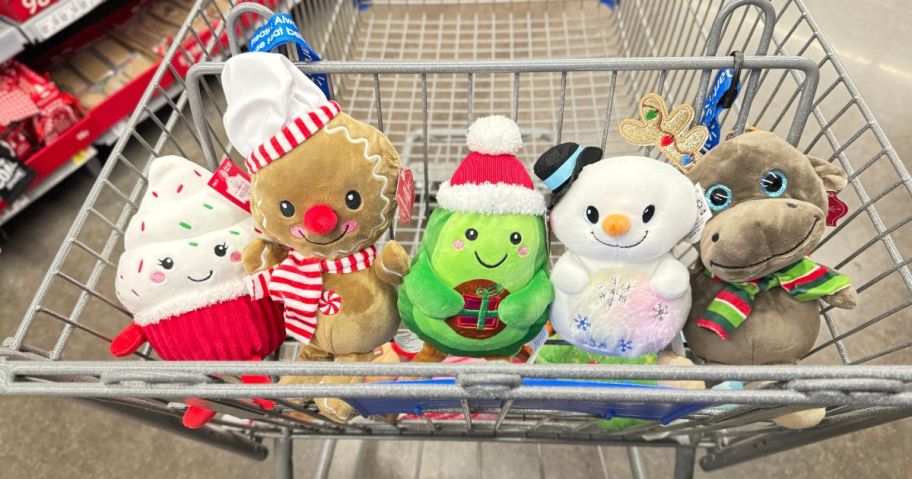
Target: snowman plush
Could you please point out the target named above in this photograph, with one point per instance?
(618, 290)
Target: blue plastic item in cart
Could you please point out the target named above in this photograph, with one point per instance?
(663, 412)
(713, 106)
(722, 94)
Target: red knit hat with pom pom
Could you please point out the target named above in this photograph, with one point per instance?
(491, 180)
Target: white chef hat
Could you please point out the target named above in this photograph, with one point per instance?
(272, 107)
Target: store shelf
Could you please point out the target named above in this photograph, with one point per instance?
(11, 42)
(53, 19)
(107, 138)
(104, 124)
(77, 161)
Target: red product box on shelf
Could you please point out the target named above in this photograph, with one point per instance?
(33, 112)
(22, 10)
(56, 110)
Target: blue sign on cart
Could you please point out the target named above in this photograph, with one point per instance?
(281, 29)
(663, 412)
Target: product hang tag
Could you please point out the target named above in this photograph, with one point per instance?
(232, 183)
(836, 208)
(405, 195)
(704, 214)
(530, 350)
(407, 344)
(280, 30)
(713, 106)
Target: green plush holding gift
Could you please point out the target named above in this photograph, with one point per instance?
(479, 284)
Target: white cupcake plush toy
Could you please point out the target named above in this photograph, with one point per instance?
(181, 277)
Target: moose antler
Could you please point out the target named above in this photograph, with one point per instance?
(667, 131)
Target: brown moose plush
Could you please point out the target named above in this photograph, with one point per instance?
(755, 303)
(323, 191)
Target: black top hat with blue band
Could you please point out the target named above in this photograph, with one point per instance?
(559, 166)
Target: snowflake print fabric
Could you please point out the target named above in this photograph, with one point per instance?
(619, 314)
(617, 293)
(660, 311)
(582, 322)
(625, 346)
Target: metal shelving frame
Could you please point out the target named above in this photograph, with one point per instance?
(421, 71)
(13, 41)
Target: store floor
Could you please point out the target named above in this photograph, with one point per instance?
(59, 438)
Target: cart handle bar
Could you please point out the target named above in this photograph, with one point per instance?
(802, 112)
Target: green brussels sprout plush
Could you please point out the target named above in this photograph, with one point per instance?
(479, 284)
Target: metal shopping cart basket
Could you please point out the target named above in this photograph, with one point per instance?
(421, 71)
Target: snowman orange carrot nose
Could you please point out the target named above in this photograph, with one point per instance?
(616, 225)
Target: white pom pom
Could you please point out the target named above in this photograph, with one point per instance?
(494, 135)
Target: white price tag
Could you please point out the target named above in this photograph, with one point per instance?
(64, 13)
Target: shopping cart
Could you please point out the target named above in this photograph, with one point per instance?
(421, 71)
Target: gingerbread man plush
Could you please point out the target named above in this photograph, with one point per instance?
(323, 192)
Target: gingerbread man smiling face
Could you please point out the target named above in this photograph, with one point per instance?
(331, 196)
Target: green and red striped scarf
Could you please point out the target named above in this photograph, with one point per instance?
(804, 281)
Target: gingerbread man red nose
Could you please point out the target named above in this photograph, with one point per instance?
(320, 219)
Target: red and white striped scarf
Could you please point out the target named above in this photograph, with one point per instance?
(298, 283)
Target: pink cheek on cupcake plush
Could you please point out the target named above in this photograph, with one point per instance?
(458, 244)
(157, 277)
(235, 256)
(523, 251)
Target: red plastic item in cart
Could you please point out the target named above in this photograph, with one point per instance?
(22, 10)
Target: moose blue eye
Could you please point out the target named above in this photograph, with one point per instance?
(718, 197)
(773, 183)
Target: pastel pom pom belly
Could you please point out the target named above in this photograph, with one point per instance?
(619, 314)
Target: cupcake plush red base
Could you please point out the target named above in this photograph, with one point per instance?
(239, 329)
(235, 330)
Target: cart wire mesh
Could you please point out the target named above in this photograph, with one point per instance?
(565, 71)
